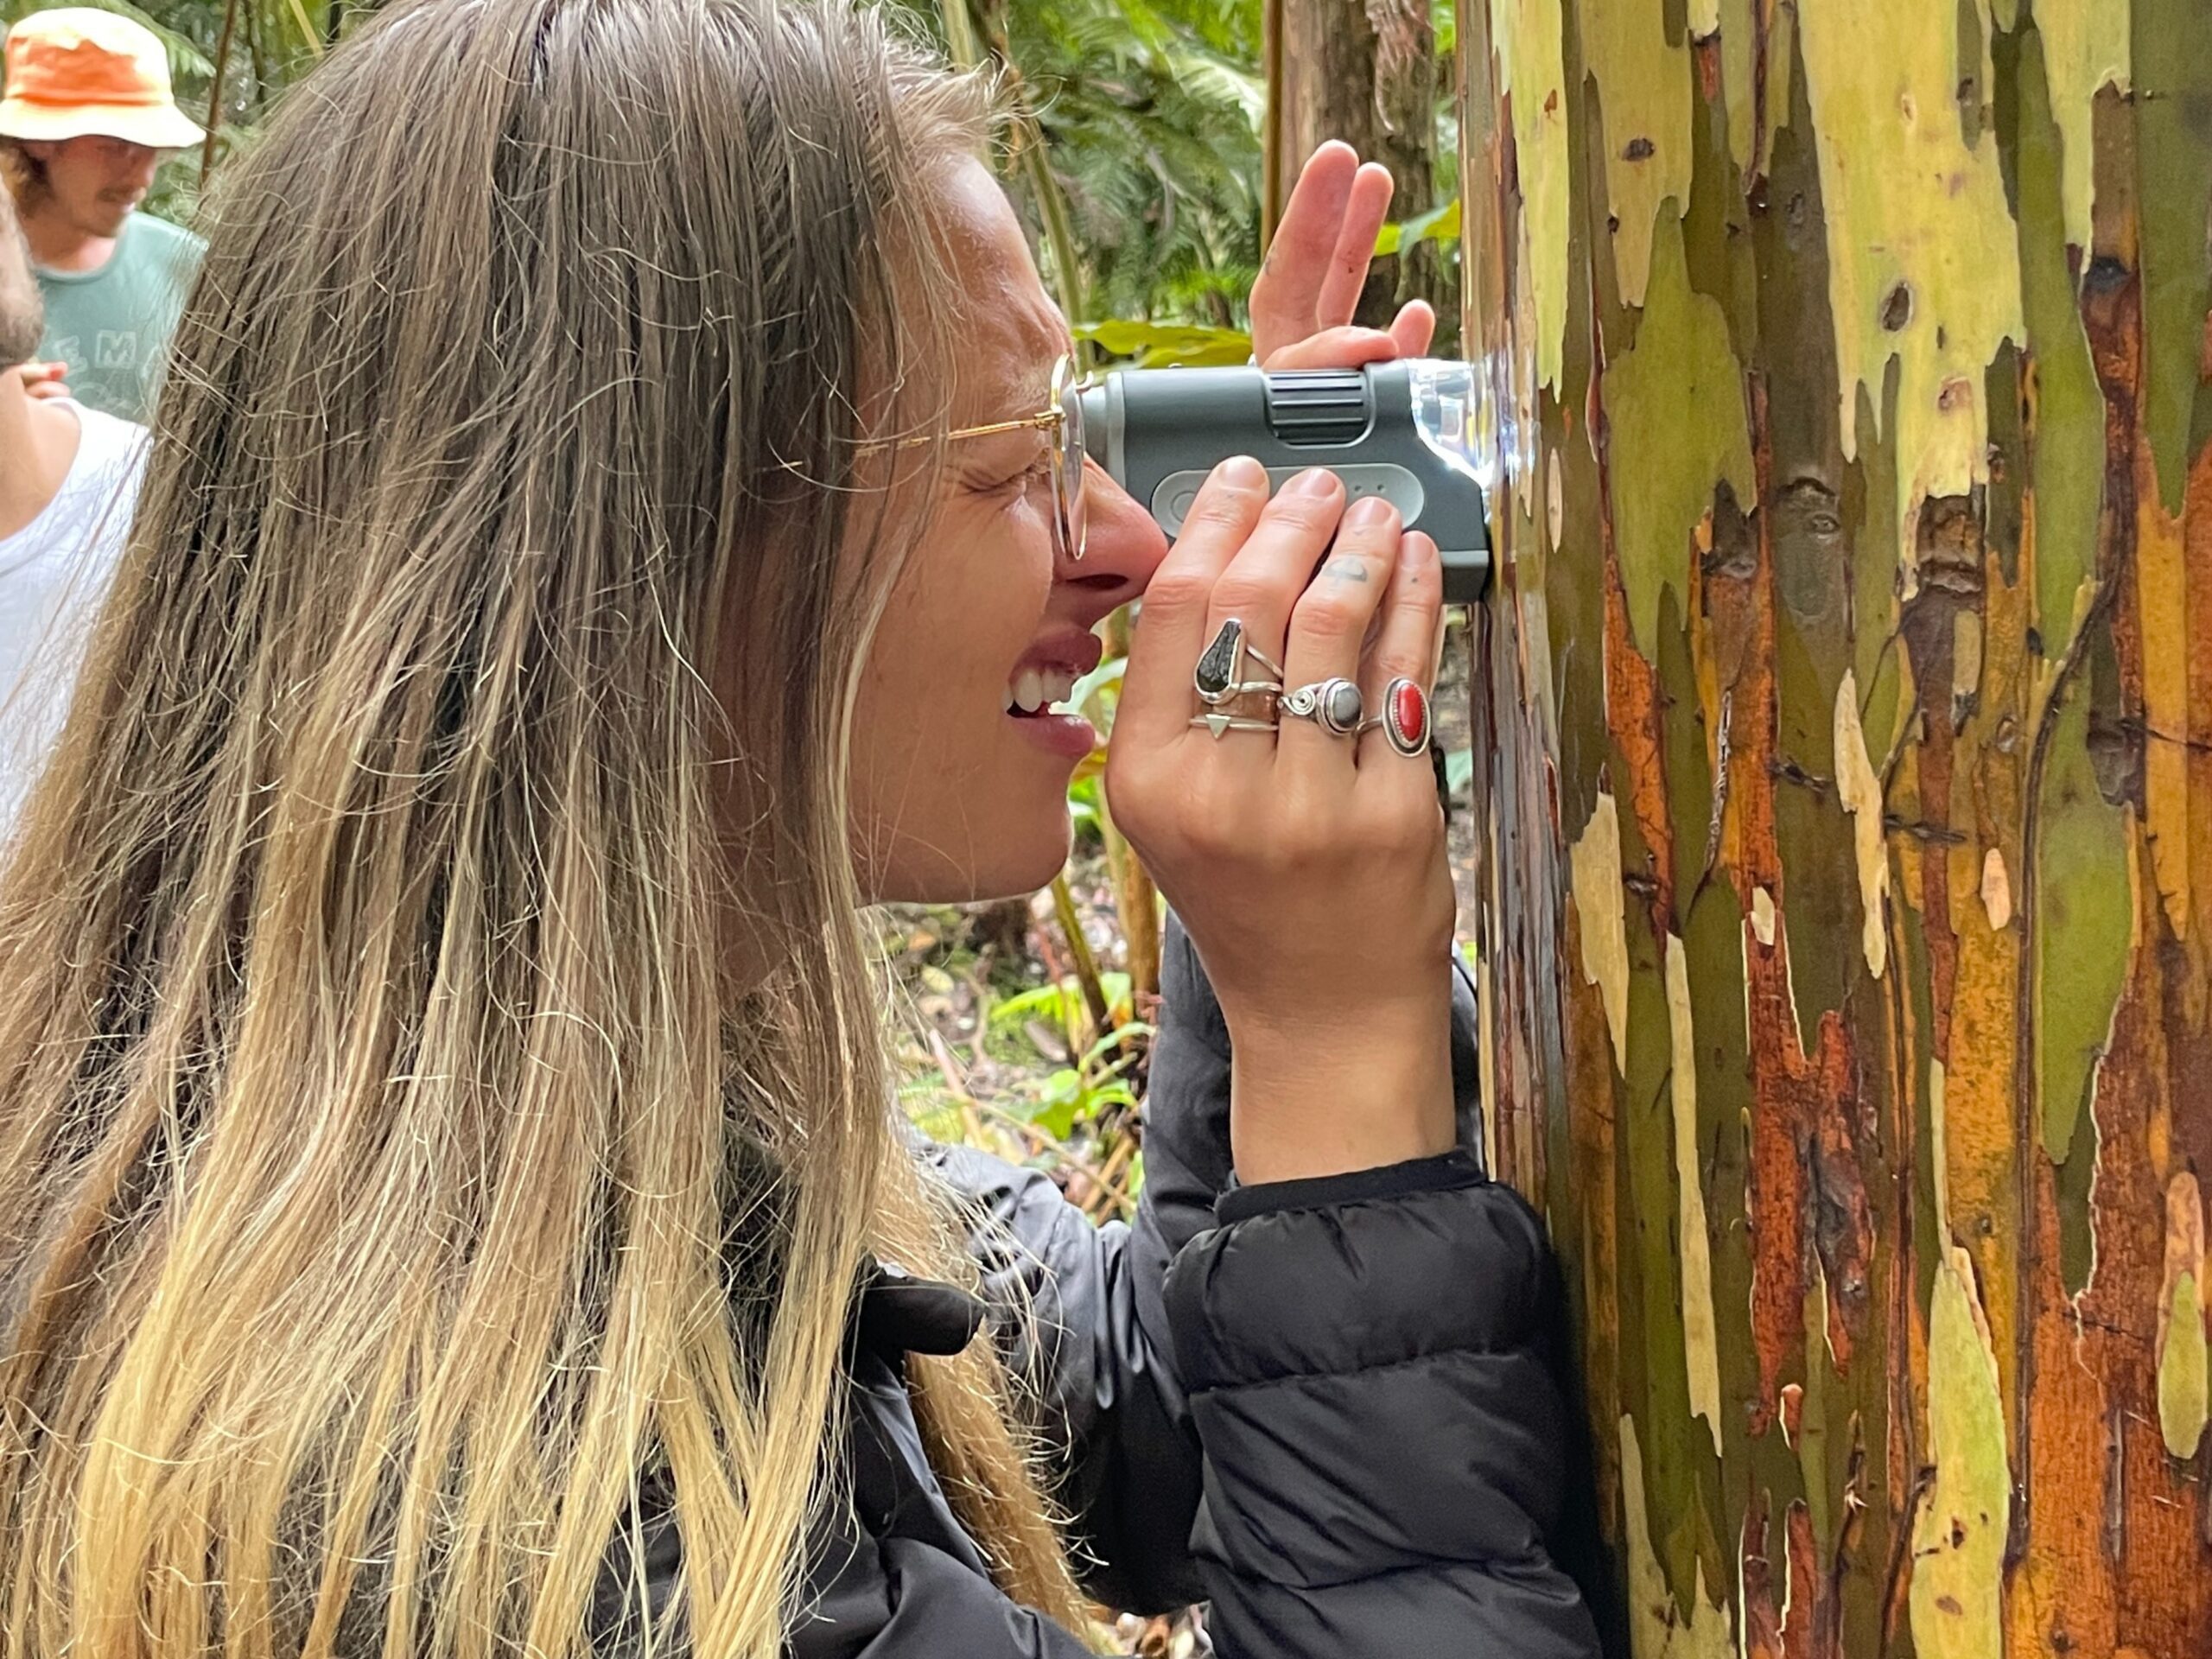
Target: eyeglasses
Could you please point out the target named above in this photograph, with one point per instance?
(1065, 421)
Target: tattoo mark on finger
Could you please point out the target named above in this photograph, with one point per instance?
(1345, 567)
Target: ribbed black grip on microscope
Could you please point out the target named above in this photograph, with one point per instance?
(1318, 405)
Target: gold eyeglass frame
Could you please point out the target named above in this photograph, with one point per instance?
(1070, 525)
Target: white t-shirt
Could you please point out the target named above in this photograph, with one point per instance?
(53, 574)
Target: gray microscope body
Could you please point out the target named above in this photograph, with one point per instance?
(1405, 430)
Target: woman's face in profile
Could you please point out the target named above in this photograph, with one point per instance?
(958, 793)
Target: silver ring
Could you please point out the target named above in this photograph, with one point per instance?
(1219, 674)
(1219, 723)
(1243, 688)
(1334, 705)
(1404, 718)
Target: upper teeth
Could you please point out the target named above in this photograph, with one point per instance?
(1032, 688)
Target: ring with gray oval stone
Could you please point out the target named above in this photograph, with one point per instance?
(1333, 705)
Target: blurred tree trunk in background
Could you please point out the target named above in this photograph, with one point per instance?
(1844, 752)
(1364, 71)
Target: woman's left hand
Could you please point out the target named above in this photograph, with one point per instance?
(1309, 285)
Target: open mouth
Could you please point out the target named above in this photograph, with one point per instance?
(1039, 688)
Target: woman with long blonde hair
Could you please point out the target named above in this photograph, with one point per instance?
(605, 528)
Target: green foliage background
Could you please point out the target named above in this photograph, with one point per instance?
(1149, 109)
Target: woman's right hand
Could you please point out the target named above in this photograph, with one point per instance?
(1308, 867)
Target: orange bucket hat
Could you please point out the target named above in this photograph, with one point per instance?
(76, 72)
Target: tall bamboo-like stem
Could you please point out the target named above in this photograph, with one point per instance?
(215, 90)
(1053, 209)
(1271, 122)
(1136, 900)
(960, 38)
(1085, 960)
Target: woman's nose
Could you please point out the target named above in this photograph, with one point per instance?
(1124, 545)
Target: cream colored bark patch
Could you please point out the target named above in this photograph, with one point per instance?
(1861, 790)
(1996, 891)
(2084, 49)
(1958, 1575)
(1596, 862)
(1966, 654)
(1701, 1330)
(1643, 91)
(1658, 1628)
(1528, 38)
(1923, 258)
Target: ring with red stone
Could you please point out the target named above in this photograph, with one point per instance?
(1404, 719)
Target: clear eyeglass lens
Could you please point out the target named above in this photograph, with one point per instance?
(1073, 517)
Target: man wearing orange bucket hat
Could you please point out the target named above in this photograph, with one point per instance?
(87, 116)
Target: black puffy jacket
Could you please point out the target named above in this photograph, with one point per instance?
(1322, 1405)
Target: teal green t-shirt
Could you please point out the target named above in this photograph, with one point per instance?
(112, 325)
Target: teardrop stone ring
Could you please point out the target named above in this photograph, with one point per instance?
(1220, 676)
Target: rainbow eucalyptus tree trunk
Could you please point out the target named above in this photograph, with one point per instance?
(1845, 726)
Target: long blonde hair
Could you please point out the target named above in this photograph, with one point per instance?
(391, 1170)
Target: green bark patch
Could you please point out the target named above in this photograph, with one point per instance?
(1528, 38)
(2085, 922)
(1665, 1625)
(2065, 438)
(2181, 1371)
(2085, 48)
(2173, 148)
(1674, 405)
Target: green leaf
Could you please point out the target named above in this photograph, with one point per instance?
(1120, 1037)
(1167, 344)
(1039, 1001)
(1438, 225)
(1056, 1118)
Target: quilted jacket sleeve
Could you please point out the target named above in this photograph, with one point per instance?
(1092, 1328)
(1140, 1445)
(1385, 1445)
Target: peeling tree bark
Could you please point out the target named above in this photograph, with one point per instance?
(1844, 726)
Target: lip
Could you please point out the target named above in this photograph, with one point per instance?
(1077, 649)
(1070, 736)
